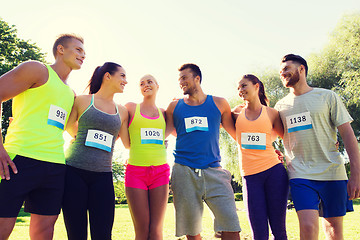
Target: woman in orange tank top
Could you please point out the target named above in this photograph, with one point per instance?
(265, 181)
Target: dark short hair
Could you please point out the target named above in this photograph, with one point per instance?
(194, 69)
(63, 39)
(297, 59)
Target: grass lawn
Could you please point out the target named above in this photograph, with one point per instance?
(123, 228)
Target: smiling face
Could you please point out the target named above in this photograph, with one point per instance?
(118, 80)
(289, 73)
(187, 81)
(248, 90)
(148, 85)
(73, 53)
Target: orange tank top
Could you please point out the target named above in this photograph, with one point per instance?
(255, 143)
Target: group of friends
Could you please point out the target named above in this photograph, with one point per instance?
(35, 170)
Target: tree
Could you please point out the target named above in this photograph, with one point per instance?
(14, 51)
(337, 66)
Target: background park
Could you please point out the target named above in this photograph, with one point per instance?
(334, 64)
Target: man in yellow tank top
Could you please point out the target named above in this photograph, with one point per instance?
(31, 161)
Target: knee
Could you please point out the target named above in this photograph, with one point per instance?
(155, 232)
(308, 229)
(142, 233)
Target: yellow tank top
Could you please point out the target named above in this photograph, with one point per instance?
(255, 143)
(147, 137)
(40, 115)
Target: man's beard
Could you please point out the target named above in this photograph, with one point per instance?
(293, 79)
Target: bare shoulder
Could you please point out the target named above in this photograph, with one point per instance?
(219, 100)
(172, 106)
(82, 101)
(33, 65)
(122, 110)
(130, 106)
(221, 104)
(273, 113)
(34, 69)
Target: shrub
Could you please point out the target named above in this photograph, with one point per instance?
(170, 199)
(238, 196)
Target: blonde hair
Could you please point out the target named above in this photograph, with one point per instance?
(63, 39)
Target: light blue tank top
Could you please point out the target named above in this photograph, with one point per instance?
(197, 128)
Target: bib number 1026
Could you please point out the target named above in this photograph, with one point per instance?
(151, 136)
(152, 133)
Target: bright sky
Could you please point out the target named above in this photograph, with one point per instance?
(227, 38)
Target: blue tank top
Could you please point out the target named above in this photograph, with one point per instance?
(197, 128)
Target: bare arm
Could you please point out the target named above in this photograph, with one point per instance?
(352, 149)
(26, 75)
(72, 123)
(170, 128)
(124, 131)
(276, 121)
(226, 118)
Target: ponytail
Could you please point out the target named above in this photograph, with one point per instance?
(262, 96)
(98, 75)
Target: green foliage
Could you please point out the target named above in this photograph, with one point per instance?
(171, 199)
(118, 170)
(119, 188)
(14, 51)
(238, 196)
(337, 66)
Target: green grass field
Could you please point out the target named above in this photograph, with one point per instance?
(123, 228)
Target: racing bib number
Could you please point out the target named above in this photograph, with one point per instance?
(152, 136)
(255, 141)
(99, 139)
(299, 122)
(196, 123)
(57, 117)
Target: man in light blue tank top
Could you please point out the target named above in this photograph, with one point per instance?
(197, 175)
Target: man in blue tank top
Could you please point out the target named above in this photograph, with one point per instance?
(197, 175)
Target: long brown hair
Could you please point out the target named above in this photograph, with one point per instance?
(262, 96)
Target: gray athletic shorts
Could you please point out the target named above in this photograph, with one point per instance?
(193, 186)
